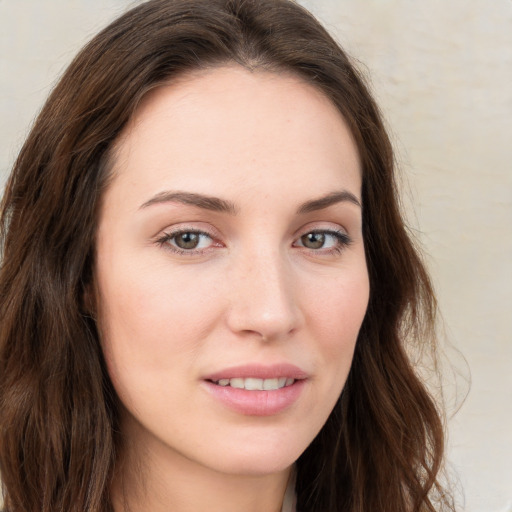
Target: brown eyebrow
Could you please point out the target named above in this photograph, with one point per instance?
(201, 201)
(328, 200)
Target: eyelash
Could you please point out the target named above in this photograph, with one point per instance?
(342, 241)
(166, 238)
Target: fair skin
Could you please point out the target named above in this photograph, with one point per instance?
(216, 261)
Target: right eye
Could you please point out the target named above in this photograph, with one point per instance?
(187, 241)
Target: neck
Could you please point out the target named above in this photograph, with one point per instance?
(159, 480)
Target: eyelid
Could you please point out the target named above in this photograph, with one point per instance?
(169, 234)
(341, 235)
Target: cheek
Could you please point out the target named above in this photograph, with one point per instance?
(337, 309)
(153, 304)
(152, 329)
(335, 315)
(151, 322)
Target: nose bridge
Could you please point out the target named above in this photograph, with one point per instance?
(264, 300)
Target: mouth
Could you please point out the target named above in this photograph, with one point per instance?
(255, 384)
(257, 390)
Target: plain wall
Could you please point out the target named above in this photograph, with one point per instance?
(442, 72)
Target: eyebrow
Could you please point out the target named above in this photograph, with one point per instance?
(201, 201)
(223, 206)
(328, 200)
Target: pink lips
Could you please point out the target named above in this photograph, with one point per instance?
(259, 372)
(257, 402)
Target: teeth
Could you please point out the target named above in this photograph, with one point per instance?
(269, 384)
(236, 383)
(253, 384)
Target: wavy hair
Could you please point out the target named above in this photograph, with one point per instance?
(381, 448)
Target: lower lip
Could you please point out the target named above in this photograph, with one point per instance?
(256, 403)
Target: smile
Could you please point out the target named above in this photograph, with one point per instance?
(253, 384)
(255, 389)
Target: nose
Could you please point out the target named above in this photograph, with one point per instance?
(263, 299)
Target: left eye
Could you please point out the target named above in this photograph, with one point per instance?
(316, 240)
(189, 240)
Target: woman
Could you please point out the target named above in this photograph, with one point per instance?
(207, 290)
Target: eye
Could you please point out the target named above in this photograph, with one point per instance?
(187, 241)
(326, 240)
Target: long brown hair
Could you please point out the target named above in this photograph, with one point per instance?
(381, 448)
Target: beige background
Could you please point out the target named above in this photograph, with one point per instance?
(442, 71)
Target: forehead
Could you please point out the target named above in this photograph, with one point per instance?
(228, 127)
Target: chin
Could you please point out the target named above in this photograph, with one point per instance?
(257, 458)
(256, 466)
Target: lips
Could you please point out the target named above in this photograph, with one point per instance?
(257, 390)
(275, 371)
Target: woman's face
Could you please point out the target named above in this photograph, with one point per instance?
(231, 277)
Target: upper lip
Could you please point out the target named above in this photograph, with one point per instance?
(257, 371)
